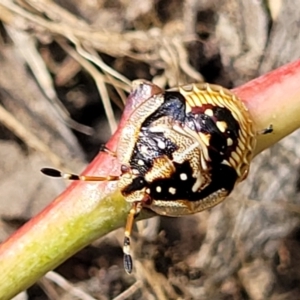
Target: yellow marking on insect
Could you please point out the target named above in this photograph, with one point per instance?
(241, 146)
(235, 156)
(209, 112)
(232, 162)
(229, 142)
(188, 107)
(172, 190)
(222, 126)
(239, 152)
(205, 138)
(197, 184)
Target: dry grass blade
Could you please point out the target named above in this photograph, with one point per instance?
(169, 57)
(67, 286)
(92, 70)
(100, 83)
(101, 40)
(114, 77)
(157, 47)
(158, 282)
(130, 291)
(183, 60)
(44, 79)
(8, 120)
(49, 288)
(98, 61)
(41, 74)
(21, 296)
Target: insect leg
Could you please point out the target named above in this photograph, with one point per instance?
(134, 211)
(103, 148)
(266, 130)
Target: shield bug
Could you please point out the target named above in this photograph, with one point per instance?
(181, 151)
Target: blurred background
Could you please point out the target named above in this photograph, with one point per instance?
(65, 72)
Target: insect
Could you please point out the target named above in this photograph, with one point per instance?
(181, 151)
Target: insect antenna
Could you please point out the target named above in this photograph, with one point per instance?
(70, 176)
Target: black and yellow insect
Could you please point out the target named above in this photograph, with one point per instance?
(181, 151)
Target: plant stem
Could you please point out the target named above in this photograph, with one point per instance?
(86, 211)
(274, 99)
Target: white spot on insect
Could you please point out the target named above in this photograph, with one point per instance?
(183, 176)
(135, 172)
(158, 189)
(141, 162)
(172, 190)
(229, 142)
(144, 149)
(161, 144)
(222, 126)
(225, 162)
(156, 129)
(148, 191)
(209, 112)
